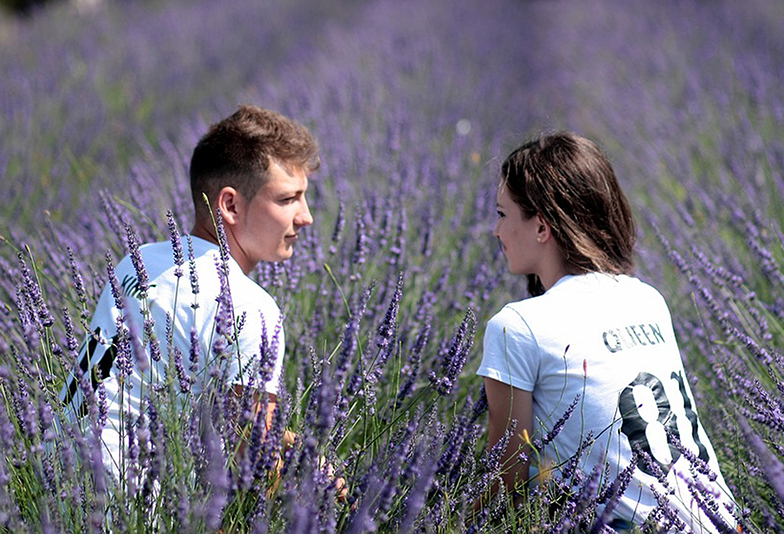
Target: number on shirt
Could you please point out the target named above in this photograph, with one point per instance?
(649, 420)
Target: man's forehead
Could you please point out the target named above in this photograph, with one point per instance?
(288, 177)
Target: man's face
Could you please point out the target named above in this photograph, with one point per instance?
(273, 218)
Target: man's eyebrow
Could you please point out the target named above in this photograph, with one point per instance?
(290, 192)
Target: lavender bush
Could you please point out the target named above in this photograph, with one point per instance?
(413, 104)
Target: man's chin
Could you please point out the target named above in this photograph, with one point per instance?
(277, 258)
(286, 254)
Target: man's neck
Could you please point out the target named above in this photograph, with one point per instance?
(204, 231)
(207, 232)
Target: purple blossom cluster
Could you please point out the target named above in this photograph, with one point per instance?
(389, 290)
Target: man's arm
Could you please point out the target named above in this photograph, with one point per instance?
(289, 437)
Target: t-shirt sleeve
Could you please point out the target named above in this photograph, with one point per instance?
(510, 354)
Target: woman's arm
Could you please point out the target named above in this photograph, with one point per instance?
(507, 403)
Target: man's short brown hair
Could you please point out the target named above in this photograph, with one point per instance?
(237, 151)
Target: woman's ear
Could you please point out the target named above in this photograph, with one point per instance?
(543, 230)
(231, 205)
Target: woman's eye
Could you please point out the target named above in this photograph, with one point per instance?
(500, 214)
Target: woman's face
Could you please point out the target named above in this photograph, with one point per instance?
(517, 234)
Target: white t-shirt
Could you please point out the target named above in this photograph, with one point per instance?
(169, 294)
(624, 362)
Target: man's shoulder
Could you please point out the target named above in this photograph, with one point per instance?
(245, 292)
(154, 256)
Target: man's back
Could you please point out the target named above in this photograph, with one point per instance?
(170, 292)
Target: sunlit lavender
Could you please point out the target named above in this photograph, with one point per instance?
(414, 104)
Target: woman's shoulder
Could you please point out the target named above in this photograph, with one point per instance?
(600, 283)
(640, 289)
(514, 316)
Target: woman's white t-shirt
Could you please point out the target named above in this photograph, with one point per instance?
(608, 339)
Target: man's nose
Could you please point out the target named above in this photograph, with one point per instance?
(304, 218)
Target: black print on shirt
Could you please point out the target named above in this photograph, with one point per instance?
(131, 287)
(100, 370)
(635, 335)
(650, 423)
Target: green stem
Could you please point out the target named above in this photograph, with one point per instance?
(337, 285)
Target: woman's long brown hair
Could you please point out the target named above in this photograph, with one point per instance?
(571, 183)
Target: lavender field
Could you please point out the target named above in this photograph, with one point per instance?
(414, 104)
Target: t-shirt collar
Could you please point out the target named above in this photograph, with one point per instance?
(570, 279)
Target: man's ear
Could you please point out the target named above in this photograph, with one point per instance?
(231, 204)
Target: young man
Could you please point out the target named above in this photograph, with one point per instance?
(253, 168)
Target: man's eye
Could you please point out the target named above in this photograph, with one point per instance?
(500, 214)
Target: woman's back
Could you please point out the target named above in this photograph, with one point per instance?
(605, 344)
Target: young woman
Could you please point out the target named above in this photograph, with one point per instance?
(594, 337)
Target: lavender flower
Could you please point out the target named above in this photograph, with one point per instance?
(773, 468)
(33, 289)
(132, 456)
(337, 231)
(454, 359)
(142, 280)
(612, 494)
(558, 426)
(182, 376)
(152, 339)
(195, 349)
(394, 151)
(387, 329)
(114, 284)
(78, 282)
(415, 502)
(361, 245)
(174, 235)
(193, 274)
(224, 323)
(223, 243)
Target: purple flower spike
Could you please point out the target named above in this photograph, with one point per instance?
(182, 376)
(340, 222)
(361, 245)
(142, 280)
(195, 349)
(216, 476)
(773, 469)
(174, 236)
(193, 275)
(612, 494)
(33, 291)
(152, 339)
(78, 282)
(558, 426)
(114, 284)
(223, 243)
(455, 358)
(387, 328)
